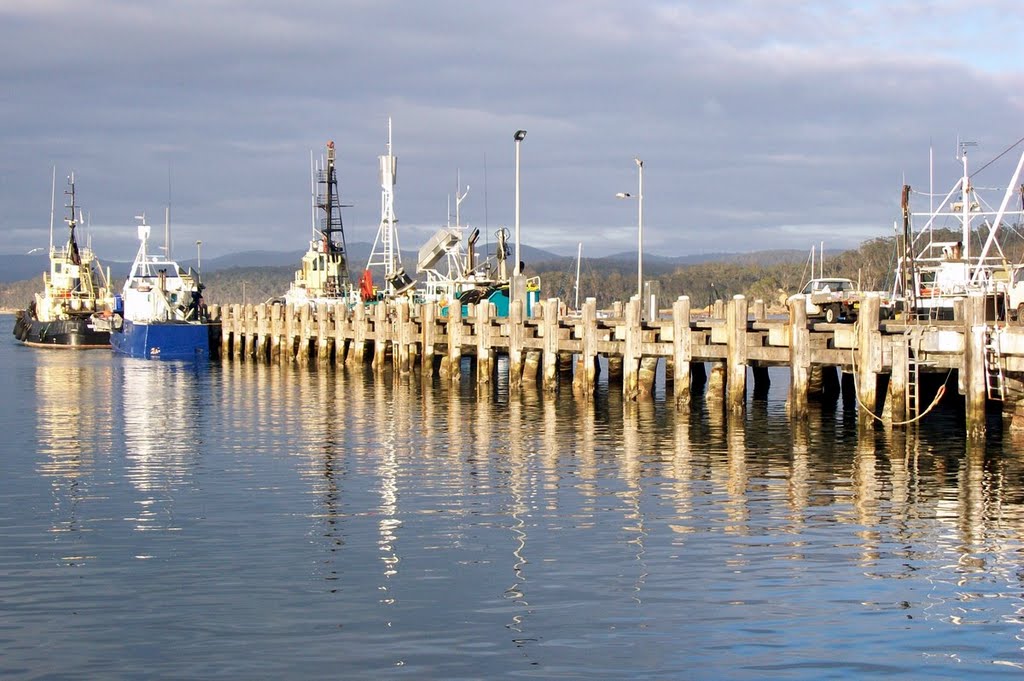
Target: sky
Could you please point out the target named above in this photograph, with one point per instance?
(762, 124)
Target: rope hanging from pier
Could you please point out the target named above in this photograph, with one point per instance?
(863, 407)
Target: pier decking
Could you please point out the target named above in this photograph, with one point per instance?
(557, 349)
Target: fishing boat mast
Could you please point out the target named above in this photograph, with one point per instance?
(331, 228)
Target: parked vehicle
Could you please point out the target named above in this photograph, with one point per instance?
(833, 299)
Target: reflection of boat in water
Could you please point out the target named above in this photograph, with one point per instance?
(162, 314)
(61, 315)
(324, 276)
(950, 255)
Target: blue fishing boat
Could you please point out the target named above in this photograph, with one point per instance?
(161, 313)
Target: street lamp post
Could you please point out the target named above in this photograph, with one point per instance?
(199, 256)
(639, 228)
(519, 137)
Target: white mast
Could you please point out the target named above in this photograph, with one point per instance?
(386, 251)
(53, 199)
(579, 255)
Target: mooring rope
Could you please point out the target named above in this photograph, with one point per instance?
(856, 392)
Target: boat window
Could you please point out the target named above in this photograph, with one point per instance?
(57, 267)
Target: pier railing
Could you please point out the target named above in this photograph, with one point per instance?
(554, 347)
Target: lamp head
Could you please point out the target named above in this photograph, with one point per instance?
(639, 163)
(623, 195)
(520, 135)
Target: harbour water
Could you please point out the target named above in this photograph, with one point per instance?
(233, 520)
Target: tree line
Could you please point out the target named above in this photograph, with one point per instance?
(757, 276)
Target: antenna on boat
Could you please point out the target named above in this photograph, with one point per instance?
(167, 216)
(312, 191)
(579, 256)
(386, 250)
(53, 200)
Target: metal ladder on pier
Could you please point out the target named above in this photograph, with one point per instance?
(995, 380)
(913, 374)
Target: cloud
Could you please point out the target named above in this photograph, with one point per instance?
(759, 122)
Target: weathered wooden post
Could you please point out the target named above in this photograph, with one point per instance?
(238, 313)
(288, 342)
(718, 311)
(428, 317)
(453, 366)
(276, 328)
(799, 358)
(228, 327)
(381, 334)
(736, 343)
(305, 331)
(358, 348)
(262, 331)
(515, 343)
(974, 380)
(631, 350)
(759, 310)
(482, 332)
(341, 332)
(251, 327)
(403, 352)
(323, 341)
(585, 378)
(550, 358)
(682, 350)
(869, 356)
(895, 409)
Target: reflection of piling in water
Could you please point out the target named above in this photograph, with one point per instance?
(549, 347)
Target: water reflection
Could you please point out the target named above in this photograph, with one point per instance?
(163, 427)
(74, 426)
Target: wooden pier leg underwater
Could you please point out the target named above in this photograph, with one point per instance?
(358, 347)
(585, 377)
(276, 330)
(516, 310)
(262, 331)
(895, 409)
(403, 353)
(228, 330)
(631, 350)
(974, 379)
(428, 319)
(341, 332)
(251, 330)
(736, 381)
(799, 358)
(482, 330)
(323, 337)
(305, 331)
(682, 350)
(550, 358)
(288, 342)
(454, 355)
(869, 357)
(381, 334)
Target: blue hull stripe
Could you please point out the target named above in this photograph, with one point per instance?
(162, 341)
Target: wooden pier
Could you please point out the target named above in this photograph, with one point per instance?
(881, 361)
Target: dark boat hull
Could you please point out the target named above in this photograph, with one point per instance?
(72, 334)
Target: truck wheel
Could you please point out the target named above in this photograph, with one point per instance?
(831, 314)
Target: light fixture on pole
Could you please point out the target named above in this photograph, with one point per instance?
(519, 137)
(640, 227)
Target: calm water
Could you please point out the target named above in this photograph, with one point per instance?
(168, 521)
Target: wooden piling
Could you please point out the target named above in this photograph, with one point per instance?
(402, 353)
(276, 331)
(516, 309)
(428, 313)
(631, 351)
(484, 351)
(974, 378)
(585, 377)
(381, 335)
(869, 357)
(799, 358)
(682, 351)
(454, 355)
(550, 356)
(262, 332)
(736, 362)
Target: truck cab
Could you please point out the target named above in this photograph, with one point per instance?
(832, 299)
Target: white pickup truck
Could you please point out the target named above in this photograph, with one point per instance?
(832, 299)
